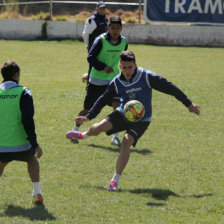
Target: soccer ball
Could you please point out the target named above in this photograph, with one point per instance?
(134, 110)
(85, 77)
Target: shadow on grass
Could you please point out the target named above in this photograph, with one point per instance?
(111, 149)
(105, 189)
(35, 213)
(158, 194)
(163, 195)
(155, 204)
(198, 196)
(154, 193)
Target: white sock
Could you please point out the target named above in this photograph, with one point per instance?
(115, 135)
(116, 177)
(75, 128)
(85, 135)
(36, 188)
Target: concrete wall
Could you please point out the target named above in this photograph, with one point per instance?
(20, 29)
(177, 35)
(64, 30)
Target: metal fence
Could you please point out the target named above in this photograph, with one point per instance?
(55, 7)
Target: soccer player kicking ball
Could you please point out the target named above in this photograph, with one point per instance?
(17, 129)
(133, 83)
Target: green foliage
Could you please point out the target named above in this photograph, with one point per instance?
(41, 16)
(77, 19)
(175, 173)
(6, 15)
(14, 8)
(130, 20)
(61, 18)
(10, 11)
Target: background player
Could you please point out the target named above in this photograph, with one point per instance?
(95, 25)
(104, 58)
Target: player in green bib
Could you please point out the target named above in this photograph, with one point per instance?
(109, 54)
(104, 58)
(17, 130)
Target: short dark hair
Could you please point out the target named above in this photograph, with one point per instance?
(115, 20)
(127, 56)
(9, 69)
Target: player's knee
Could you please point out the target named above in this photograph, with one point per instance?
(33, 161)
(128, 140)
(95, 126)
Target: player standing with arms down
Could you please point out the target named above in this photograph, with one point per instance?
(95, 25)
(104, 58)
(17, 135)
(133, 83)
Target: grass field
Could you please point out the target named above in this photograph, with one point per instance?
(174, 175)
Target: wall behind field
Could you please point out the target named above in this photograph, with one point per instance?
(176, 35)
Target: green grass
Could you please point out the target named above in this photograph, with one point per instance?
(174, 175)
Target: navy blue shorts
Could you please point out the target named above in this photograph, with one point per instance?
(135, 129)
(23, 156)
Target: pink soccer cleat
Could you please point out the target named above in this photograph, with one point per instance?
(74, 135)
(113, 185)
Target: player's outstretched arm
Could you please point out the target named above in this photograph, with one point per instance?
(194, 109)
(81, 119)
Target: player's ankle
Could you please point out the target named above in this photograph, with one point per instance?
(85, 135)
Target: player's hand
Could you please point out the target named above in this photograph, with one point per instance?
(81, 119)
(193, 108)
(38, 151)
(108, 69)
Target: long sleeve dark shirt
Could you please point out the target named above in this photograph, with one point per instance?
(27, 109)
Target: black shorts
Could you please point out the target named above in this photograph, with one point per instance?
(23, 156)
(135, 129)
(93, 93)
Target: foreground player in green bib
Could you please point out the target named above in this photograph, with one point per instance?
(17, 129)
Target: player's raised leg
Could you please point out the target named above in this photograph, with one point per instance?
(94, 130)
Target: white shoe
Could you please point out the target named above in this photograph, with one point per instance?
(115, 141)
